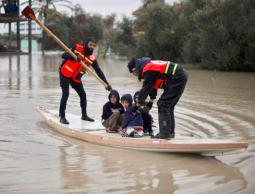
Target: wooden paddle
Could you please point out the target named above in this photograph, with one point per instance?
(29, 13)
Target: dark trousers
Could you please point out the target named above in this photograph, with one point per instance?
(113, 122)
(170, 97)
(147, 121)
(78, 87)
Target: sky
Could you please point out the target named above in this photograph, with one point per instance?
(103, 7)
(106, 7)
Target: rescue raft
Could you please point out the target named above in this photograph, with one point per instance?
(94, 132)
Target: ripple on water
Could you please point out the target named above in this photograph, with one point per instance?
(34, 159)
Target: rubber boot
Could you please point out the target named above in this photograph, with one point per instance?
(164, 127)
(87, 118)
(64, 120)
(84, 116)
(172, 122)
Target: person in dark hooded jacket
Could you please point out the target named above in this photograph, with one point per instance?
(144, 110)
(132, 122)
(70, 73)
(112, 112)
(166, 75)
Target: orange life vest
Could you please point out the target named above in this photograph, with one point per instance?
(73, 69)
(164, 67)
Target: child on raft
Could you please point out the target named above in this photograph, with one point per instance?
(112, 113)
(144, 110)
(132, 123)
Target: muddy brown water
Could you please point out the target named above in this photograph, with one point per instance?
(34, 159)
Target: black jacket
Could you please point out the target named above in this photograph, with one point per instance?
(150, 77)
(107, 108)
(132, 117)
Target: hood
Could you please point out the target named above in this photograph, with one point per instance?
(88, 51)
(139, 65)
(131, 65)
(114, 93)
(136, 93)
(127, 97)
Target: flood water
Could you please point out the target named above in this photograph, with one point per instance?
(35, 159)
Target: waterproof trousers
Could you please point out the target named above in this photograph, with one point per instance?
(170, 97)
(78, 87)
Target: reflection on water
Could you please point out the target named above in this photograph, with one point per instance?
(34, 159)
(134, 172)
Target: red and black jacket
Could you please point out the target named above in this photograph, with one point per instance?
(156, 74)
(71, 68)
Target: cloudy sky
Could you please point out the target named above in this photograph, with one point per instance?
(103, 7)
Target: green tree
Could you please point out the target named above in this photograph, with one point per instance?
(124, 42)
(60, 25)
(109, 34)
(155, 26)
(224, 33)
(73, 29)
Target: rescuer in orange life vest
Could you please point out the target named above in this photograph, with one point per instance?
(71, 72)
(165, 75)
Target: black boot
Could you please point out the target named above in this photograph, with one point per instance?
(151, 133)
(87, 118)
(164, 127)
(84, 116)
(160, 136)
(64, 120)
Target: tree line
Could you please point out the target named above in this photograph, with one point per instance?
(211, 34)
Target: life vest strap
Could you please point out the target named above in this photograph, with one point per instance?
(175, 67)
(171, 70)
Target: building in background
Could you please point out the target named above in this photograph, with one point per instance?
(36, 33)
(35, 29)
(10, 15)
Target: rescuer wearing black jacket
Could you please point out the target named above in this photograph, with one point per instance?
(71, 72)
(165, 75)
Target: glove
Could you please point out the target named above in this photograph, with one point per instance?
(134, 108)
(149, 105)
(108, 87)
(78, 59)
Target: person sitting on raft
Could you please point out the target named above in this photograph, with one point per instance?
(112, 112)
(132, 123)
(144, 110)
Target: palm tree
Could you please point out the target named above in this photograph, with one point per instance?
(44, 7)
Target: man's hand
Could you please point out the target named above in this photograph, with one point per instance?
(78, 59)
(134, 108)
(108, 87)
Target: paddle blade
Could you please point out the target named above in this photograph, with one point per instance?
(28, 13)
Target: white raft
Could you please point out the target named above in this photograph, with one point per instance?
(94, 132)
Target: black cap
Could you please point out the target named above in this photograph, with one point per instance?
(131, 65)
(89, 39)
